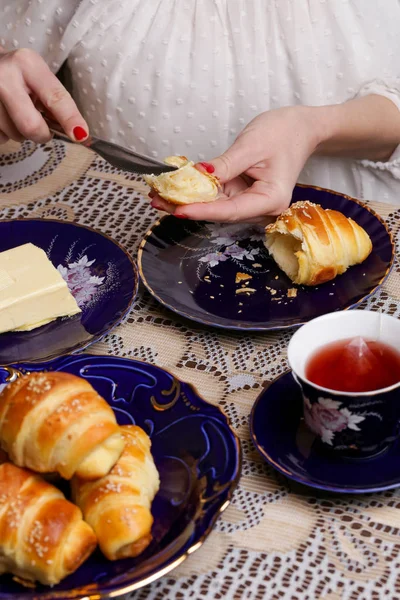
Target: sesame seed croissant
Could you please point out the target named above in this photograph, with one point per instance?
(56, 422)
(312, 245)
(118, 506)
(42, 536)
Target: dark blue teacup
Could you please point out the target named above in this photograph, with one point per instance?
(354, 423)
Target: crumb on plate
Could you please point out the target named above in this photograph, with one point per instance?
(245, 290)
(242, 277)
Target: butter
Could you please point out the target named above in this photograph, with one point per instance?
(32, 291)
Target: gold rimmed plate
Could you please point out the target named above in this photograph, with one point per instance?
(201, 271)
(196, 452)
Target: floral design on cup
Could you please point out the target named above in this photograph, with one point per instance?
(325, 418)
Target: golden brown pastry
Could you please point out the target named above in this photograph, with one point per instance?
(42, 536)
(185, 185)
(56, 422)
(118, 506)
(312, 245)
(3, 457)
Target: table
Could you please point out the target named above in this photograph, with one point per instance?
(276, 539)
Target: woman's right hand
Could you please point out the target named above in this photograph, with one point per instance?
(26, 85)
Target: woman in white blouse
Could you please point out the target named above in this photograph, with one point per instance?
(190, 77)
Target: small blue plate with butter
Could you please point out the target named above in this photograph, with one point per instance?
(99, 273)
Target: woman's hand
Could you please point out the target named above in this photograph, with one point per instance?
(259, 171)
(26, 85)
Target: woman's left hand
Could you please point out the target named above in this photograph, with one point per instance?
(259, 171)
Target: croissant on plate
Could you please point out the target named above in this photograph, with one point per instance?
(118, 505)
(42, 536)
(56, 422)
(186, 185)
(313, 245)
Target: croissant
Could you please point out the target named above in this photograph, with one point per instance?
(118, 505)
(312, 245)
(42, 536)
(186, 185)
(56, 422)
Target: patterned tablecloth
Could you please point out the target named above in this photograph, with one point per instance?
(276, 540)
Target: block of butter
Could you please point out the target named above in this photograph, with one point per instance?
(32, 291)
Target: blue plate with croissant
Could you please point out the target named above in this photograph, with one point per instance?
(112, 472)
(328, 252)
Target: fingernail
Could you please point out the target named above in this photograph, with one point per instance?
(209, 168)
(156, 205)
(180, 216)
(79, 133)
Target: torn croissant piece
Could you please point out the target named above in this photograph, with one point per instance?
(56, 422)
(186, 185)
(118, 506)
(42, 536)
(312, 245)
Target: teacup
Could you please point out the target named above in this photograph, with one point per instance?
(354, 423)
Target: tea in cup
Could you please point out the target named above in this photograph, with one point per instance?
(347, 365)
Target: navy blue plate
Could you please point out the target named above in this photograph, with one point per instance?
(101, 276)
(191, 268)
(198, 457)
(282, 438)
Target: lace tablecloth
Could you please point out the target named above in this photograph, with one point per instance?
(276, 540)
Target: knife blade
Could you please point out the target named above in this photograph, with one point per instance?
(118, 156)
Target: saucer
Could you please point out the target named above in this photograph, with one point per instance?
(282, 438)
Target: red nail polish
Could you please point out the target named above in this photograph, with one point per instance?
(79, 133)
(209, 168)
(180, 216)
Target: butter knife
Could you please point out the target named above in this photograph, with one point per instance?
(119, 157)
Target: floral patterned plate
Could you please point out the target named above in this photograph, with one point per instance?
(198, 457)
(100, 274)
(201, 271)
(281, 436)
